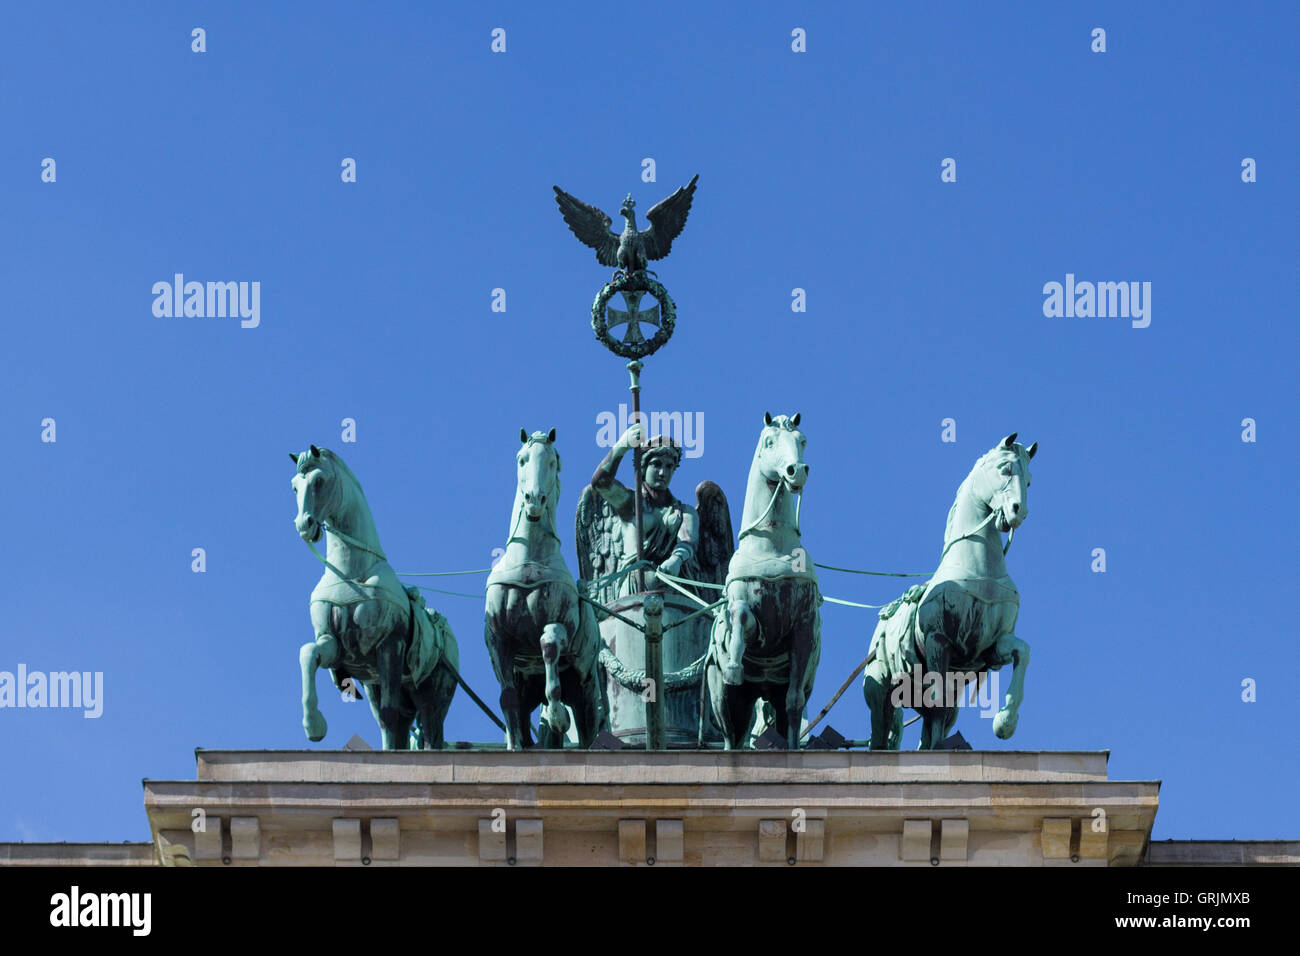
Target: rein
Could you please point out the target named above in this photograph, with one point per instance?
(980, 527)
(780, 486)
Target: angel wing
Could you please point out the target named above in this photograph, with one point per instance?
(717, 543)
(591, 226)
(598, 533)
(667, 219)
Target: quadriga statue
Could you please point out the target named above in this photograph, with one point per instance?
(543, 641)
(963, 620)
(766, 641)
(370, 631)
(686, 542)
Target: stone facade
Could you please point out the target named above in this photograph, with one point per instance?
(638, 808)
(603, 808)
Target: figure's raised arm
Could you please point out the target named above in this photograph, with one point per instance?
(604, 481)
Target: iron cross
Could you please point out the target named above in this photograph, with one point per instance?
(633, 317)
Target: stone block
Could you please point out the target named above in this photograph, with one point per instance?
(245, 838)
(207, 843)
(669, 841)
(1056, 838)
(631, 841)
(810, 844)
(528, 841)
(771, 841)
(385, 839)
(953, 838)
(491, 843)
(916, 840)
(347, 840)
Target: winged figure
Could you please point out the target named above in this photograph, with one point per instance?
(690, 542)
(632, 250)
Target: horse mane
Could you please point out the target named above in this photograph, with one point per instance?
(341, 465)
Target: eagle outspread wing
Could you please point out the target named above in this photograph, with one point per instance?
(667, 219)
(591, 226)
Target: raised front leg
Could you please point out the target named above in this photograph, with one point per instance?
(1004, 724)
(322, 652)
(555, 641)
(740, 621)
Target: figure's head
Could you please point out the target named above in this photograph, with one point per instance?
(780, 451)
(628, 209)
(538, 473)
(659, 461)
(316, 489)
(1003, 481)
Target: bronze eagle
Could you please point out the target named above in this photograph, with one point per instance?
(630, 251)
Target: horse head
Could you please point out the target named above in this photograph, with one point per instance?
(538, 483)
(1001, 480)
(316, 486)
(780, 452)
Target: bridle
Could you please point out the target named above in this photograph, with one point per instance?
(550, 528)
(998, 495)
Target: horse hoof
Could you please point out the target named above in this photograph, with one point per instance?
(1004, 724)
(559, 721)
(315, 727)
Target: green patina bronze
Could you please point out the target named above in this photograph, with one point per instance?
(370, 630)
(631, 251)
(684, 541)
(543, 641)
(766, 642)
(675, 635)
(964, 618)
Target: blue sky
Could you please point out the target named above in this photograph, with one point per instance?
(818, 170)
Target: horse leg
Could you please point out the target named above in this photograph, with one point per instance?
(322, 652)
(401, 730)
(935, 717)
(741, 622)
(586, 695)
(592, 710)
(386, 695)
(503, 666)
(432, 701)
(739, 705)
(555, 642)
(803, 647)
(717, 693)
(876, 685)
(1004, 724)
(531, 696)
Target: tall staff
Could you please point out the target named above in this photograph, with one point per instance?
(629, 253)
